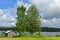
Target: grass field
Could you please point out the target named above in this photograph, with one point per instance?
(31, 38)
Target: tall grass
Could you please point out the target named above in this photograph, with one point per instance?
(31, 38)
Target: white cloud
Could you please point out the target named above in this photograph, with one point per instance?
(51, 11)
(1, 12)
(50, 8)
(20, 2)
(55, 22)
(6, 18)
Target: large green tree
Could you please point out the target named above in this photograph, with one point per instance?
(33, 19)
(20, 25)
(29, 22)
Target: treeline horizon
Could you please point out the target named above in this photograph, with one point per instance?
(43, 29)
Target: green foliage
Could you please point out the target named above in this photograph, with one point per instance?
(29, 22)
(57, 35)
(33, 19)
(3, 34)
(21, 19)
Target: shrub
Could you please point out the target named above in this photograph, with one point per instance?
(57, 35)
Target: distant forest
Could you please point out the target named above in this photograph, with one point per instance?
(43, 29)
(46, 29)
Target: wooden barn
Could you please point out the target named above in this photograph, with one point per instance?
(10, 33)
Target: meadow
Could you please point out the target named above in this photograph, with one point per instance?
(30, 38)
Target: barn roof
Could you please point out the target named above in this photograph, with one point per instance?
(8, 31)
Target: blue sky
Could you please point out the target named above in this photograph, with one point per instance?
(26, 1)
(7, 4)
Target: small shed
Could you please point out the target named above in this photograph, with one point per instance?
(10, 33)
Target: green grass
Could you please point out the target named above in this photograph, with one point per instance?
(30, 38)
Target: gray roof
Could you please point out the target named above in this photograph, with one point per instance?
(8, 31)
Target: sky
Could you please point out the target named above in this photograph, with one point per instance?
(7, 3)
(49, 11)
(8, 12)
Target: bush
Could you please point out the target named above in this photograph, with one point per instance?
(57, 35)
(35, 36)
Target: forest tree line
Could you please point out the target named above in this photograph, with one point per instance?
(43, 29)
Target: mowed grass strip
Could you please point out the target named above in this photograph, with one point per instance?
(31, 38)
